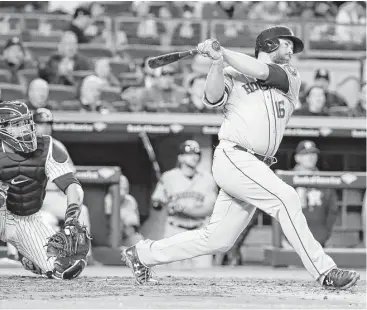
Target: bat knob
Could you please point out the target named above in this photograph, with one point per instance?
(216, 45)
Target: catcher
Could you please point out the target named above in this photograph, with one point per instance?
(27, 163)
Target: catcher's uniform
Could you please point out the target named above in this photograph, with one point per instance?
(175, 189)
(26, 175)
(255, 116)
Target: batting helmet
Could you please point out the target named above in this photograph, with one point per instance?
(267, 41)
(190, 147)
(17, 127)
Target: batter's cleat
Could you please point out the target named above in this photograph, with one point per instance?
(340, 278)
(142, 273)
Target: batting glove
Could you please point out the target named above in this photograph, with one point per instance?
(210, 48)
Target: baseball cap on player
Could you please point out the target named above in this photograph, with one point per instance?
(322, 74)
(267, 41)
(43, 116)
(307, 147)
(190, 147)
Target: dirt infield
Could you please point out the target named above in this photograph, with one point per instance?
(220, 288)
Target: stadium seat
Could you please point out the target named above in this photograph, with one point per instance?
(29, 74)
(130, 79)
(39, 37)
(118, 67)
(44, 23)
(111, 95)
(41, 49)
(70, 105)
(4, 76)
(60, 93)
(95, 51)
(118, 8)
(3, 64)
(188, 34)
(81, 74)
(139, 51)
(120, 106)
(12, 92)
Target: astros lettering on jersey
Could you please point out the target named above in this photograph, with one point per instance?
(176, 188)
(251, 105)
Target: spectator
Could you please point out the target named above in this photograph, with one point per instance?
(351, 22)
(322, 78)
(81, 21)
(319, 205)
(90, 92)
(163, 95)
(72, 60)
(53, 73)
(129, 214)
(16, 58)
(314, 103)
(96, 30)
(37, 93)
(269, 11)
(133, 97)
(226, 10)
(195, 92)
(103, 70)
(359, 110)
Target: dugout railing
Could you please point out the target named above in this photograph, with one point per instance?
(277, 256)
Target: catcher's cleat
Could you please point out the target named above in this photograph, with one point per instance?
(340, 278)
(142, 273)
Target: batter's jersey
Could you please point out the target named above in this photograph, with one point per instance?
(176, 188)
(256, 112)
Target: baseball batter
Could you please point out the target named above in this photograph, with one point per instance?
(27, 162)
(189, 196)
(258, 96)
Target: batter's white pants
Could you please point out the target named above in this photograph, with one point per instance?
(28, 234)
(245, 182)
(203, 261)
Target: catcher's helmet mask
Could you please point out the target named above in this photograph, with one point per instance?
(17, 128)
(268, 40)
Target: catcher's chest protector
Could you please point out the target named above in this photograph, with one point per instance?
(26, 177)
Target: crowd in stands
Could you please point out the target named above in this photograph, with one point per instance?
(74, 77)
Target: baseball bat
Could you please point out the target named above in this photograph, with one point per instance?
(151, 154)
(166, 59)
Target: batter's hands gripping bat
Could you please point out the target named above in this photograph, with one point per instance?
(151, 154)
(166, 59)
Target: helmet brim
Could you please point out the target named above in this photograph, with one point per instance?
(298, 45)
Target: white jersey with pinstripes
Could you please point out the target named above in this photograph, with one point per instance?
(255, 115)
(29, 233)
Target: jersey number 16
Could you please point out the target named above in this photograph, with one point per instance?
(280, 108)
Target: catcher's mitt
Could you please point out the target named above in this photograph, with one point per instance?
(70, 246)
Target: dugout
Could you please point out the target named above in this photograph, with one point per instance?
(277, 256)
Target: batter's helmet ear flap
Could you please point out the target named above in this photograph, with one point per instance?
(269, 45)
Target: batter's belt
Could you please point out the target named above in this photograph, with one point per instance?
(187, 227)
(268, 160)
